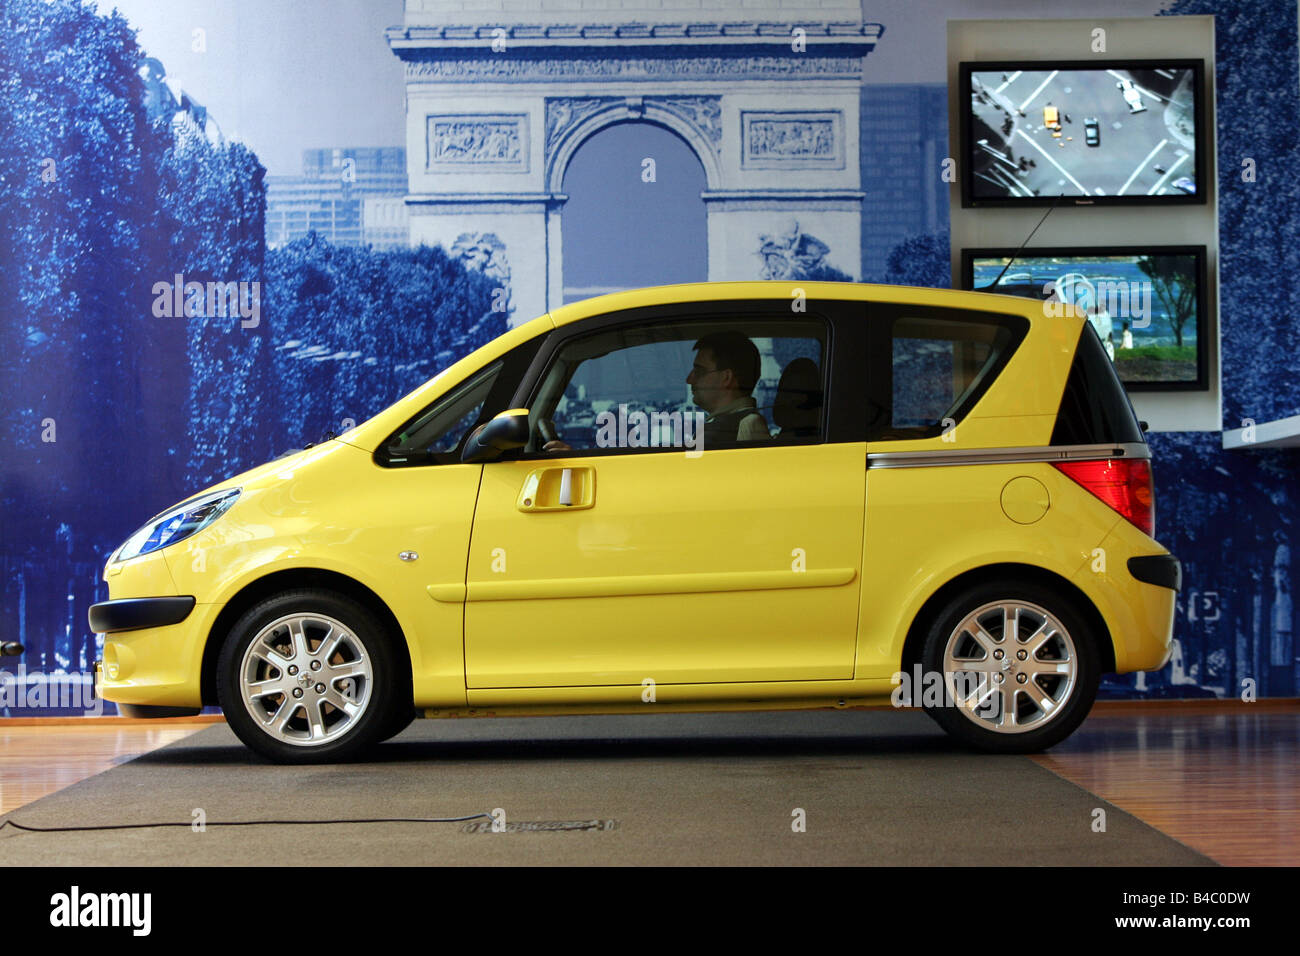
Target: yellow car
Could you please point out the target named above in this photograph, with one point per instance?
(730, 496)
(1052, 119)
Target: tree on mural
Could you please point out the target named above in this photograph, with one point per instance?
(355, 328)
(79, 167)
(1233, 532)
(1174, 284)
(1259, 203)
(921, 261)
(1236, 515)
(214, 198)
(78, 187)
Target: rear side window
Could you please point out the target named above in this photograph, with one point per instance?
(1095, 409)
(937, 363)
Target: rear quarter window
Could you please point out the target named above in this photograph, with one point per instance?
(1095, 409)
(932, 365)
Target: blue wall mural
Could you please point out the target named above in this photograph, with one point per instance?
(141, 309)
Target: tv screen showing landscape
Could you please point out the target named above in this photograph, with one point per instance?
(1039, 133)
(1147, 305)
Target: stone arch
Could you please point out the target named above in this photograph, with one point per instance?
(633, 109)
(617, 231)
(572, 122)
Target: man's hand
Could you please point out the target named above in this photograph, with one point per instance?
(556, 445)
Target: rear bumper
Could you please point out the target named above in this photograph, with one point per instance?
(1135, 592)
(134, 614)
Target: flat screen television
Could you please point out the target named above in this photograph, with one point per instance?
(1147, 303)
(1122, 132)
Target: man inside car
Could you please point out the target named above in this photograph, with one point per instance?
(722, 380)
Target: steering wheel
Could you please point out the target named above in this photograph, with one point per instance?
(546, 430)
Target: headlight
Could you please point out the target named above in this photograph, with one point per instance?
(187, 518)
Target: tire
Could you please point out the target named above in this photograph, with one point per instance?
(400, 719)
(1024, 691)
(328, 719)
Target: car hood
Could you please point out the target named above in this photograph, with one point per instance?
(279, 469)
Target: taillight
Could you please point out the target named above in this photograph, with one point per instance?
(1122, 483)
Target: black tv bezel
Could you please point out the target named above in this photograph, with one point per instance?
(968, 198)
(1203, 323)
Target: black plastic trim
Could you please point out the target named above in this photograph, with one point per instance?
(133, 614)
(1163, 570)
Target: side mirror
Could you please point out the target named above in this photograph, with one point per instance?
(506, 431)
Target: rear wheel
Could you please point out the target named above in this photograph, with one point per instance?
(310, 677)
(1019, 666)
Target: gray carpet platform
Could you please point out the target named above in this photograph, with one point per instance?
(875, 787)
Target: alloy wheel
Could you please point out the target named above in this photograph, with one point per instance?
(1010, 666)
(306, 679)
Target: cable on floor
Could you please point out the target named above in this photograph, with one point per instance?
(242, 823)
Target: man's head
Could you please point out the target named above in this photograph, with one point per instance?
(726, 369)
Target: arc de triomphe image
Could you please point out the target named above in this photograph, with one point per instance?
(500, 95)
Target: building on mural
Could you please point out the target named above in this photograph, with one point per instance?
(349, 195)
(904, 143)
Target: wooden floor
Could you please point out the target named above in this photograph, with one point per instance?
(1222, 777)
(40, 755)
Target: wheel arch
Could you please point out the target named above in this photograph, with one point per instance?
(286, 580)
(921, 622)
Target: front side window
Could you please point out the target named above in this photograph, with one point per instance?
(692, 384)
(436, 434)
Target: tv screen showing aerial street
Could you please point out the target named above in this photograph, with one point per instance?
(1086, 134)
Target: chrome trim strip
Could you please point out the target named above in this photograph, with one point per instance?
(1005, 456)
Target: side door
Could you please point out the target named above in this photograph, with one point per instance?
(934, 499)
(415, 514)
(669, 535)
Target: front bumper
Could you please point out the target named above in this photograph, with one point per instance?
(134, 614)
(155, 665)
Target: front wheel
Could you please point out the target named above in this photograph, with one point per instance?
(309, 676)
(1019, 667)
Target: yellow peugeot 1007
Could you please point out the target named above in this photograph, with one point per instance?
(731, 496)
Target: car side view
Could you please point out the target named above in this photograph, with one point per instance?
(722, 496)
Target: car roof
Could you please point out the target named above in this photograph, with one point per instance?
(786, 289)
